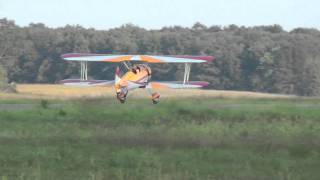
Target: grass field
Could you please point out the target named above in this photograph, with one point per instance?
(190, 137)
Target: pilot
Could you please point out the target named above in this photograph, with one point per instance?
(136, 69)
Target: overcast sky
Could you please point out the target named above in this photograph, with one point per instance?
(154, 14)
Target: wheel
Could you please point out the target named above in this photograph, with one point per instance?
(155, 98)
(154, 101)
(122, 99)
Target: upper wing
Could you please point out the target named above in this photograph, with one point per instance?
(178, 84)
(86, 83)
(145, 58)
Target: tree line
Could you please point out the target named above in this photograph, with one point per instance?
(260, 58)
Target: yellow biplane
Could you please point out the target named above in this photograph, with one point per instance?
(137, 75)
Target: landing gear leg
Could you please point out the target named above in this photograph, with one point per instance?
(122, 95)
(121, 98)
(155, 97)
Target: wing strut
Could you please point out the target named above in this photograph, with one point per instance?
(126, 65)
(187, 69)
(83, 70)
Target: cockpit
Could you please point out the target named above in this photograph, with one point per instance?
(137, 69)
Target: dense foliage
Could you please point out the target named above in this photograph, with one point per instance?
(262, 58)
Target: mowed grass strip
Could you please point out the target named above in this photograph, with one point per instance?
(187, 138)
(55, 91)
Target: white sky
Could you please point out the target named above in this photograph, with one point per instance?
(154, 14)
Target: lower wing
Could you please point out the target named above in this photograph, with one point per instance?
(178, 84)
(86, 83)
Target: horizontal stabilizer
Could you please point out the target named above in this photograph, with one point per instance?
(86, 83)
(143, 58)
(178, 84)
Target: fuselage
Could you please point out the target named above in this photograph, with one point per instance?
(137, 77)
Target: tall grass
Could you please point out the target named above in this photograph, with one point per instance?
(197, 138)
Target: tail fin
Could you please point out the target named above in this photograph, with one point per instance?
(117, 75)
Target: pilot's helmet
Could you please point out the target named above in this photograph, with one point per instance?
(138, 69)
(134, 69)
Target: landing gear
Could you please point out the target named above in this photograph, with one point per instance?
(122, 95)
(155, 98)
(121, 98)
(154, 101)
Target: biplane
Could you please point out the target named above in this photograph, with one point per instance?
(136, 75)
